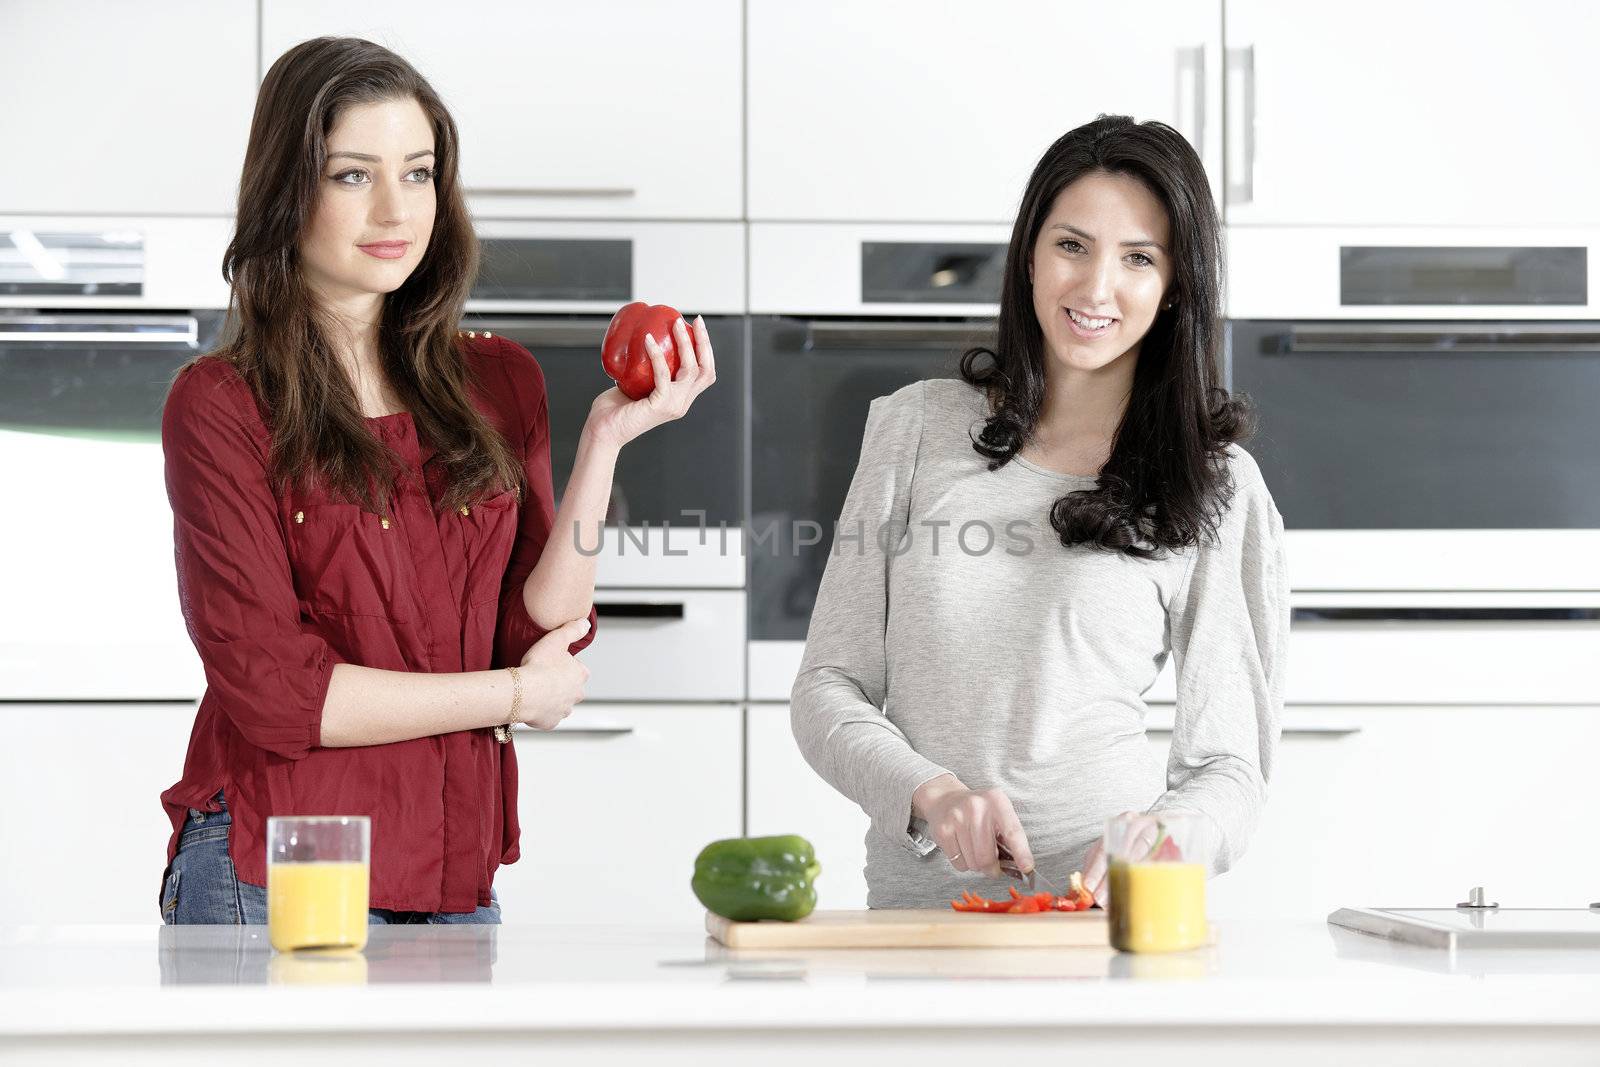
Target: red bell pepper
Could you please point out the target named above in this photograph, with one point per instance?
(623, 353)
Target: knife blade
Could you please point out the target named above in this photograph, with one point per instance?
(1031, 879)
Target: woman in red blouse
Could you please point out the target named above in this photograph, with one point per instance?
(369, 558)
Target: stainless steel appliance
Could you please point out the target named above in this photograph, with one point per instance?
(670, 569)
(1425, 431)
(92, 608)
(842, 315)
(1478, 923)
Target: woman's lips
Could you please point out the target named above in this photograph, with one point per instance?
(386, 249)
(1085, 333)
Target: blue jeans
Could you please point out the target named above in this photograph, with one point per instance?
(201, 887)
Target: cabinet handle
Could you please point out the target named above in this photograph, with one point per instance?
(554, 192)
(574, 731)
(1191, 61)
(1304, 730)
(555, 333)
(1444, 339)
(854, 334)
(101, 329)
(1313, 616)
(638, 610)
(1242, 186)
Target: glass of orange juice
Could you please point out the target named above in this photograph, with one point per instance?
(1158, 880)
(317, 872)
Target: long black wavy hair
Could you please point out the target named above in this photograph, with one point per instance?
(1165, 484)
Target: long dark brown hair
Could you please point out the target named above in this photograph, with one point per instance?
(278, 336)
(1165, 483)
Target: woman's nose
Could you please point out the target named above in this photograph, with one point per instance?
(389, 206)
(1100, 284)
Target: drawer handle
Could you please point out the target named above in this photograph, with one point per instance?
(1302, 616)
(575, 731)
(1308, 730)
(638, 610)
(555, 192)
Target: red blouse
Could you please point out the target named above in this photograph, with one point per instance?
(277, 589)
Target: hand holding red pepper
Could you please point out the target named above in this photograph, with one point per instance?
(658, 368)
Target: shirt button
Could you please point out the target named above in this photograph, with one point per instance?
(464, 510)
(385, 523)
(486, 333)
(299, 516)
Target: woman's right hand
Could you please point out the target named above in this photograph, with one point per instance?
(968, 824)
(556, 678)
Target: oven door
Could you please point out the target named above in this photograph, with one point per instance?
(812, 382)
(687, 475)
(1429, 455)
(91, 596)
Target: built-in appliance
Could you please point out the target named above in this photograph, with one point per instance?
(1426, 431)
(1478, 923)
(841, 315)
(670, 568)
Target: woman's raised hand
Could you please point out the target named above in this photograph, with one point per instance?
(615, 420)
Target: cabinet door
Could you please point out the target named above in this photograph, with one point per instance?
(1409, 112)
(615, 804)
(1413, 806)
(83, 830)
(938, 112)
(786, 796)
(623, 109)
(125, 109)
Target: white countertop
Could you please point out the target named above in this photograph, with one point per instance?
(83, 980)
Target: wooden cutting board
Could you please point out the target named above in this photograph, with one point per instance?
(917, 928)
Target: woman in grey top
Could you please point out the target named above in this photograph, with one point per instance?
(1021, 549)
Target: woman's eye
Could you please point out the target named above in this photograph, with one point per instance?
(1142, 259)
(340, 178)
(1070, 245)
(427, 175)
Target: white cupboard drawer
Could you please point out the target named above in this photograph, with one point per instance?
(1316, 99)
(83, 832)
(624, 109)
(1413, 806)
(664, 644)
(125, 109)
(615, 804)
(785, 796)
(888, 112)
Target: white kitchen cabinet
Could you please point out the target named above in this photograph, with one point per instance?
(82, 829)
(785, 796)
(1413, 806)
(615, 804)
(1411, 112)
(123, 109)
(622, 109)
(937, 112)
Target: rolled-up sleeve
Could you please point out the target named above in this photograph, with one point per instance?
(1230, 626)
(234, 582)
(836, 705)
(515, 630)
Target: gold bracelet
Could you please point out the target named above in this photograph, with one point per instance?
(502, 734)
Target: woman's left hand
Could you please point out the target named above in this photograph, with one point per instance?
(615, 420)
(1143, 833)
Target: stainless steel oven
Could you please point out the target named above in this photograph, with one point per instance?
(842, 315)
(1427, 431)
(91, 603)
(670, 581)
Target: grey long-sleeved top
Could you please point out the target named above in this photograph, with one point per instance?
(1022, 665)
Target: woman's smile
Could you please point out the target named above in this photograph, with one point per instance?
(1089, 327)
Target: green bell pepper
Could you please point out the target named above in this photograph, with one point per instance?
(746, 878)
